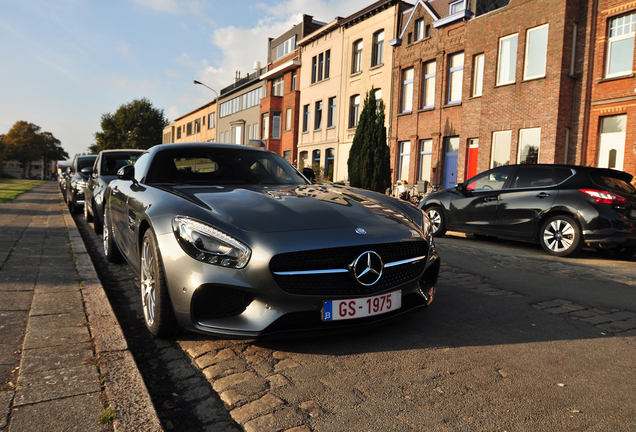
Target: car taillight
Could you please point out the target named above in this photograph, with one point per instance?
(604, 197)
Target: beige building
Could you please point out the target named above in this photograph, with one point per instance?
(367, 63)
(198, 125)
(320, 99)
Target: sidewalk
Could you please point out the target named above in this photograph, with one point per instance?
(63, 357)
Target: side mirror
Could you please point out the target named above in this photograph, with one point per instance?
(88, 171)
(460, 187)
(126, 173)
(310, 174)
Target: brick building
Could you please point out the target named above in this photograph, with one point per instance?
(280, 107)
(521, 67)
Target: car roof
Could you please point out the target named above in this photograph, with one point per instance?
(123, 151)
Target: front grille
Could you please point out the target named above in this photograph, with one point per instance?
(345, 284)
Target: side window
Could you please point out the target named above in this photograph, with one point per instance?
(531, 177)
(141, 166)
(490, 180)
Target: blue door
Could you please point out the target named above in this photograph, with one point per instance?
(450, 162)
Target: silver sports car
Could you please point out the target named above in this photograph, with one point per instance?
(233, 240)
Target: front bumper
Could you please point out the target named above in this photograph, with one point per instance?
(251, 303)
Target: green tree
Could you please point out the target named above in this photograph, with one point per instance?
(53, 151)
(369, 163)
(134, 125)
(24, 143)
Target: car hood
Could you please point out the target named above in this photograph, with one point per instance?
(295, 208)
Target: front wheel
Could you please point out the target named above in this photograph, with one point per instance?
(155, 300)
(438, 223)
(560, 236)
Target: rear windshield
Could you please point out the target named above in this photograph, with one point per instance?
(605, 180)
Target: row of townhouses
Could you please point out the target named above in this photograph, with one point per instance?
(467, 84)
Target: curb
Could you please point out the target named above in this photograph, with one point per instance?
(126, 391)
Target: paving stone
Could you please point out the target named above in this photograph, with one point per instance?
(210, 359)
(56, 357)
(5, 406)
(585, 313)
(285, 364)
(312, 408)
(15, 301)
(277, 380)
(620, 316)
(77, 413)
(197, 393)
(609, 327)
(210, 410)
(48, 385)
(233, 398)
(620, 325)
(255, 408)
(47, 337)
(233, 380)
(547, 304)
(598, 319)
(53, 303)
(282, 419)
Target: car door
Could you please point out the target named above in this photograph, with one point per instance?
(530, 192)
(474, 209)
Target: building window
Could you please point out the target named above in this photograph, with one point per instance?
(189, 129)
(536, 52)
(294, 80)
(405, 160)
(455, 78)
(306, 118)
(354, 110)
(197, 126)
(288, 119)
(377, 55)
(529, 144)
(620, 45)
(329, 158)
(255, 130)
(314, 69)
(427, 31)
(500, 148)
(356, 61)
(320, 65)
(507, 65)
(457, 6)
(286, 47)
(287, 155)
(327, 63)
(302, 159)
(278, 86)
(211, 120)
(331, 113)
(419, 29)
(315, 158)
(265, 125)
(478, 75)
(407, 90)
(426, 157)
(318, 116)
(276, 125)
(428, 97)
(179, 132)
(378, 97)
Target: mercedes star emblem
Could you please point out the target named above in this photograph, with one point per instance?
(367, 268)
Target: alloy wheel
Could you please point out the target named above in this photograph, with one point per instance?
(559, 235)
(148, 282)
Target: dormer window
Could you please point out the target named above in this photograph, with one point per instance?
(457, 6)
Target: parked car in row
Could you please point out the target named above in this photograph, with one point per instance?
(76, 182)
(233, 240)
(103, 171)
(562, 207)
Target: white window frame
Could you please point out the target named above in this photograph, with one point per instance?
(419, 29)
(356, 59)
(500, 137)
(529, 132)
(425, 153)
(429, 78)
(278, 86)
(288, 119)
(507, 60)
(455, 76)
(478, 75)
(534, 40)
(377, 55)
(407, 89)
(405, 160)
(627, 32)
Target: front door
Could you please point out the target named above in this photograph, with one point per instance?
(612, 151)
(473, 155)
(450, 162)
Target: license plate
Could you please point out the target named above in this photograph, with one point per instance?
(334, 310)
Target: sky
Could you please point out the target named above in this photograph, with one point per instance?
(65, 63)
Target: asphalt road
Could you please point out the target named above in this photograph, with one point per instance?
(514, 341)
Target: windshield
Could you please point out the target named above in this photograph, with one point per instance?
(221, 166)
(113, 161)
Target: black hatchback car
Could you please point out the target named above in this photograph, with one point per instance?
(563, 207)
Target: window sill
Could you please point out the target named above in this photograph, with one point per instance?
(475, 97)
(532, 79)
(506, 84)
(426, 109)
(353, 74)
(318, 82)
(452, 104)
(378, 66)
(602, 80)
(404, 114)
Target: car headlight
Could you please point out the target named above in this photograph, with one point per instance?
(207, 244)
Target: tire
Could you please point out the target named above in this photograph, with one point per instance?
(438, 222)
(155, 299)
(560, 236)
(97, 223)
(111, 252)
(87, 215)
